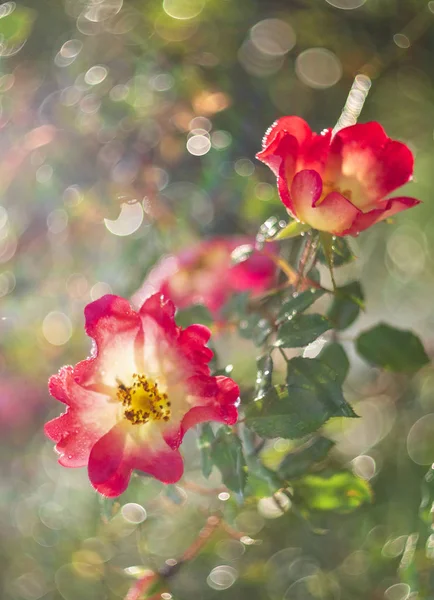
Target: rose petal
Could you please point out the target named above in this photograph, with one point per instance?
(75, 434)
(396, 168)
(305, 191)
(314, 153)
(116, 330)
(390, 208)
(292, 125)
(162, 311)
(193, 340)
(117, 454)
(363, 161)
(334, 213)
(281, 145)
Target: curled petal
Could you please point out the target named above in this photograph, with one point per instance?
(293, 125)
(334, 213)
(282, 143)
(282, 151)
(390, 208)
(305, 191)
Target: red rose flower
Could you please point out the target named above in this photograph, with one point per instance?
(130, 404)
(204, 274)
(338, 185)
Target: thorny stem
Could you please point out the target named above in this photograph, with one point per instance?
(159, 578)
(283, 266)
(285, 358)
(308, 254)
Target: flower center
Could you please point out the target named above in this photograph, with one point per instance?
(143, 401)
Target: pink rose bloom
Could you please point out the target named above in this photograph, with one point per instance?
(340, 185)
(204, 274)
(130, 404)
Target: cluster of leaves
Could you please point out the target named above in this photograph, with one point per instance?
(296, 406)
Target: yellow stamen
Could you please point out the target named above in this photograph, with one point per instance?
(143, 401)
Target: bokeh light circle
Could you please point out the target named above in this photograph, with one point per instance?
(57, 328)
(96, 75)
(273, 37)
(222, 577)
(399, 591)
(318, 68)
(198, 145)
(346, 4)
(420, 441)
(183, 9)
(133, 513)
(129, 220)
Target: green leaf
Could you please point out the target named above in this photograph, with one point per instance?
(336, 358)
(341, 492)
(340, 252)
(392, 349)
(301, 330)
(312, 396)
(205, 442)
(237, 305)
(261, 481)
(15, 27)
(313, 375)
(297, 463)
(293, 229)
(298, 303)
(264, 376)
(242, 253)
(194, 314)
(255, 328)
(347, 302)
(227, 455)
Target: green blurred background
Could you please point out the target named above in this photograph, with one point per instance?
(128, 129)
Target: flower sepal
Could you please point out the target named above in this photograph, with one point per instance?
(293, 229)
